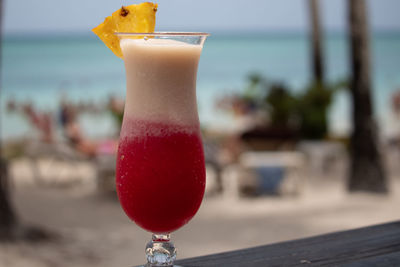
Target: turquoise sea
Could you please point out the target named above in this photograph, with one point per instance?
(42, 68)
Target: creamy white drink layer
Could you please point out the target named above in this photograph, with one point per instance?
(161, 80)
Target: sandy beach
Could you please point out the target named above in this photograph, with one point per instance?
(92, 229)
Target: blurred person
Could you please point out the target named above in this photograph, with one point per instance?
(74, 134)
(41, 121)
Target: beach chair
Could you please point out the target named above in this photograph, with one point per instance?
(104, 165)
(264, 173)
(323, 156)
(36, 151)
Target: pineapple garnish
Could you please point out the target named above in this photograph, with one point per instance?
(133, 18)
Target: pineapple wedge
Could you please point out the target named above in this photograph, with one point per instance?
(133, 18)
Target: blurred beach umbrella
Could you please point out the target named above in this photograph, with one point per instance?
(366, 170)
(316, 42)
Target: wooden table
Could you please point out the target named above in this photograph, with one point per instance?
(370, 246)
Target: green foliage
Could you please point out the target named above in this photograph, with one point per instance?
(313, 107)
(306, 112)
(281, 105)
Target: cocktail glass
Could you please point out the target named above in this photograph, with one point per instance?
(160, 175)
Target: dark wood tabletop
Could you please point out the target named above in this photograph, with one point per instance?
(370, 246)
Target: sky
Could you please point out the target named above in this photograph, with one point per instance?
(22, 16)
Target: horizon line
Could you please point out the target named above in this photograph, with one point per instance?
(228, 32)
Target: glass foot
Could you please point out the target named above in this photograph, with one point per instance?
(160, 251)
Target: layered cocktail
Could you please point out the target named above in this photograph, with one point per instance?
(160, 174)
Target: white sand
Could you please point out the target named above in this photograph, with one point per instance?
(96, 232)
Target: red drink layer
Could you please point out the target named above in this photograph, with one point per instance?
(160, 173)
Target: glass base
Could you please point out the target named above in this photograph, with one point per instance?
(160, 251)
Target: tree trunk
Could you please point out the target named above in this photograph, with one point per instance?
(7, 215)
(316, 50)
(366, 170)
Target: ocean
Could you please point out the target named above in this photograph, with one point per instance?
(42, 69)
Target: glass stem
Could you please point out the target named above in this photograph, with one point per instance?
(160, 251)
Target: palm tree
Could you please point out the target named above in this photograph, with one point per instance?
(7, 215)
(366, 170)
(316, 39)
